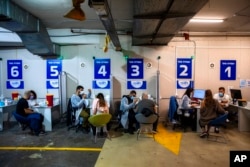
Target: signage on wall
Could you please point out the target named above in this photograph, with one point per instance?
(184, 68)
(14, 75)
(54, 67)
(135, 69)
(101, 74)
(135, 74)
(228, 70)
(184, 84)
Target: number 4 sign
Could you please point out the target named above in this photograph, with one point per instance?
(228, 70)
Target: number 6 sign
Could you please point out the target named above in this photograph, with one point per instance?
(14, 69)
(184, 68)
(228, 70)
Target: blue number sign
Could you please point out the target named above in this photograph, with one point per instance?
(102, 68)
(228, 70)
(135, 69)
(184, 68)
(14, 69)
(54, 67)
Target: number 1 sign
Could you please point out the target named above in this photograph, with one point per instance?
(228, 70)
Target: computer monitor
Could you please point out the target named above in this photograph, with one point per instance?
(236, 93)
(199, 93)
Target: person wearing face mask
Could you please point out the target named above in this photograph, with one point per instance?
(78, 103)
(224, 100)
(32, 98)
(127, 106)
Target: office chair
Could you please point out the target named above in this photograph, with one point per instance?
(217, 122)
(98, 121)
(146, 124)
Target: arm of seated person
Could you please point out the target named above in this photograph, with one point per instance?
(28, 111)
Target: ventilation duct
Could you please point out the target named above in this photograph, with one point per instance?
(30, 29)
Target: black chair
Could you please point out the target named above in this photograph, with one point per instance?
(82, 125)
(218, 122)
(118, 114)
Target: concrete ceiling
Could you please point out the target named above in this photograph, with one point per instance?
(149, 22)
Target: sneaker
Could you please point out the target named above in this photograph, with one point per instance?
(42, 133)
(154, 131)
(227, 120)
(203, 134)
(216, 130)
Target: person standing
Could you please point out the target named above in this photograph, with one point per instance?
(128, 114)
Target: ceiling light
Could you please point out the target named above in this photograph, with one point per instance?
(76, 13)
(206, 20)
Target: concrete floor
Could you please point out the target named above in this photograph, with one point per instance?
(69, 148)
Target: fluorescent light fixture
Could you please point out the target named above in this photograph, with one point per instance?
(206, 20)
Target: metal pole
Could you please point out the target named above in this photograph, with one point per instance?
(157, 85)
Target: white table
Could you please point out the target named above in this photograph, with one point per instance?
(50, 114)
(6, 110)
(243, 117)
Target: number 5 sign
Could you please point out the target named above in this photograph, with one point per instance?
(184, 68)
(228, 70)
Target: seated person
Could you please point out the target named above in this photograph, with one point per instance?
(23, 109)
(188, 109)
(79, 103)
(210, 109)
(33, 98)
(99, 106)
(223, 98)
(149, 104)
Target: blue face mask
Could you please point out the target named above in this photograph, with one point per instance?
(132, 97)
(221, 94)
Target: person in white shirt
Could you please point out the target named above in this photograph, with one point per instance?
(224, 100)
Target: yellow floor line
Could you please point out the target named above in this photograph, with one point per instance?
(170, 140)
(51, 148)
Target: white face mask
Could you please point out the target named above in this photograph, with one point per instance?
(82, 92)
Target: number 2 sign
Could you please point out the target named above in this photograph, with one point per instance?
(184, 68)
(228, 70)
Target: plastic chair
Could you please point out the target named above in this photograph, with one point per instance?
(218, 122)
(146, 124)
(98, 121)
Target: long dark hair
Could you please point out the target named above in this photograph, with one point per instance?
(34, 93)
(102, 102)
(209, 100)
(188, 92)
